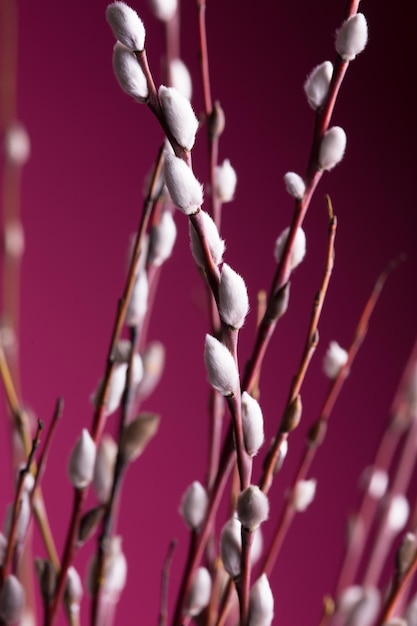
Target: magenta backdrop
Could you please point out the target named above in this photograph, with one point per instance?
(81, 198)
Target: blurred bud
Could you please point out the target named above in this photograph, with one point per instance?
(126, 25)
(352, 37)
(231, 546)
(104, 468)
(3, 548)
(365, 611)
(375, 481)
(12, 600)
(334, 359)
(215, 244)
(74, 590)
(47, 578)
(114, 574)
(278, 305)
(332, 148)
(153, 359)
(406, 552)
(194, 505)
(118, 384)
(261, 603)
(295, 185)
(179, 116)
(138, 304)
(411, 612)
(303, 495)
(221, 367)
(282, 453)
(14, 239)
(298, 249)
(217, 121)
(162, 239)
(398, 511)
(292, 415)
(16, 144)
(225, 181)
(252, 424)
(183, 187)
(23, 518)
(129, 74)
(181, 78)
(396, 621)
(233, 298)
(252, 507)
(163, 10)
(317, 84)
(349, 598)
(81, 461)
(137, 434)
(89, 523)
(199, 593)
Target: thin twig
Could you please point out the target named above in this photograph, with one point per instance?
(163, 613)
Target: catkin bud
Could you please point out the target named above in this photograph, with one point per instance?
(126, 25)
(252, 507)
(252, 424)
(261, 603)
(231, 546)
(233, 298)
(352, 37)
(153, 358)
(128, 73)
(163, 10)
(137, 434)
(397, 621)
(118, 384)
(221, 367)
(115, 571)
(406, 552)
(81, 461)
(73, 591)
(317, 84)
(162, 239)
(183, 187)
(179, 116)
(332, 148)
(225, 181)
(199, 593)
(194, 505)
(16, 144)
(12, 600)
(398, 512)
(3, 548)
(181, 78)
(292, 415)
(295, 185)
(104, 468)
(14, 239)
(334, 359)
(216, 245)
(303, 495)
(138, 304)
(375, 481)
(298, 249)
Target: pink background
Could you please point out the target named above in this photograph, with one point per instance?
(92, 147)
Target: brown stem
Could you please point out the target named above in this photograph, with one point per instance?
(163, 613)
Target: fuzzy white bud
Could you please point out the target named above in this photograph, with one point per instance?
(114, 574)
(194, 505)
(225, 181)
(221, 368)
(118, 384)
(126, 25)
(215, 243)
(181, 78)
(23, 518)
(200, 591)
(252, 424)
(295, 185)
(138, 304)
(317, 84)
(231, 546)
(261, 603)
(352, 37)
(104, 468)
(304, 492)
(81, 461)
(398, 512)
(298, 250)
(74, 590)
(233, 297)
(183, 187)
(375, 481)
(334, 359)
(179, 116)
(14, 239)
(282, 453)
(153, 359)
(332, 148)
(128, 73)
(162, 239)
(16, 144)
(365, 611)
(163, 10)
(252, 507)
(12, 600)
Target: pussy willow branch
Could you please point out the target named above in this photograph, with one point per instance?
(99, 414)
(318, 430)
